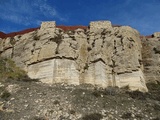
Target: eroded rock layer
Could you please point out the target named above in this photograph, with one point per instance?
(151, 57)
(100, 54)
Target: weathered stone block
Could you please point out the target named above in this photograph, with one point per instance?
(94, 26)
(156, 34)
(55, 71)
(49, 24)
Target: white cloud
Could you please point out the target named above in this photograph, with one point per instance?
(27, 12)
(17, 19)
(48, 10)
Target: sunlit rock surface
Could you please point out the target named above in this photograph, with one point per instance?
(100, 54)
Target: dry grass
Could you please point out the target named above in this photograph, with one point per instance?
(8, 69)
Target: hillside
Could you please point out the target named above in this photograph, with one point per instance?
(29, 100)
(96, 72)
(24, 99)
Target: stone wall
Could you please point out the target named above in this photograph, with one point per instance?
(49, 24)
(101, 55)
(96, 25)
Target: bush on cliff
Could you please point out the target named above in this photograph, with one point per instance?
(8, 70)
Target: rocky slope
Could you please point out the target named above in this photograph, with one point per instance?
(21, 100)
(101, 54)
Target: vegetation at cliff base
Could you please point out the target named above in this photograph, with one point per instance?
(8, 69)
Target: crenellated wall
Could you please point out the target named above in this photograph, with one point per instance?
(101, 55)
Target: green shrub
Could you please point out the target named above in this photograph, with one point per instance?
(137, 95)
(5, 95)
(107, 91)
(97, 93)
(56, 102)
(126, 115)
(153, 86)
(156, 107)
(111, 91)
(73, 112)
(39, 118)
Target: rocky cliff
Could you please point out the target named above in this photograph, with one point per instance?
(101, 54)
(151, 57)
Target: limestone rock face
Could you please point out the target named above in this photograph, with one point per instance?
(6, 47)
(151, 58)
(55, 71)
(156, 34)
(101, 55)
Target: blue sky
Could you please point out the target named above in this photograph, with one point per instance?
(143, 15)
